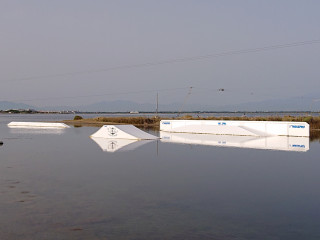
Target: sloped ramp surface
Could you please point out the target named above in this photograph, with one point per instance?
(122, 132)
(219, 130)
(237, 128)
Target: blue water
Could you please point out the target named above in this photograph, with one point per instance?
(62, 185)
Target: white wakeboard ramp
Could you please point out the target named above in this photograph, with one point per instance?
(237, 128)
(122, 132)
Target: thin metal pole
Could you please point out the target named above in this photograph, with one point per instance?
(157, 104)
(185, 100)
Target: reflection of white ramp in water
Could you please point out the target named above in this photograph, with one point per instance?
(113, 145)
(122, 132)
(284, 143)
(37, 125)
(35, 130)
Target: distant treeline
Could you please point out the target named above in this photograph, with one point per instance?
(28, 111)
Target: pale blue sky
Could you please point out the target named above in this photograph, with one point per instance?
(48, 38)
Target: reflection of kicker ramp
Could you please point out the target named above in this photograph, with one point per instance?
(113, 145)
(122, 132)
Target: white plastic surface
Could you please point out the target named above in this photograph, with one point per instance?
(37, 125)
(238, 128)
(122, 132)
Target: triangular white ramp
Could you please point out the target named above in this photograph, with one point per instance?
(113, 145)
(122, 132)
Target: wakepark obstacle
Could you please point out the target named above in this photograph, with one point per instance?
(237, 128)
(36, 125)
(122, 132)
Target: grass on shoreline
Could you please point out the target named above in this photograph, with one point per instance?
(154, 122)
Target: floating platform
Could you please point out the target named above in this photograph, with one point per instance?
(122, 132)
(237, 128)
(37, 125)
(282, 143)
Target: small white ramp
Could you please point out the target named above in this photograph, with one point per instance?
(122, 132)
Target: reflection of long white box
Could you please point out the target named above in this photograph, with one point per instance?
(239, 128)
(283, 143)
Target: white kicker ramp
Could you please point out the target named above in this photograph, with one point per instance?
(122, 132)
(239, 128)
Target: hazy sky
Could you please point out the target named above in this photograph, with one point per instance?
(54, 52)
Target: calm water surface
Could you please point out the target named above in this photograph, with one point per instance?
(61, 185)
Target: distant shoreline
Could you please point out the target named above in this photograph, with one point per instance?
(28, 111)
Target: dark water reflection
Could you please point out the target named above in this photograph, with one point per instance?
(63, 186)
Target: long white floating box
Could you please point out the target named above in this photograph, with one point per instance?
(37, 125)
(281, 143)
(238, 128)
